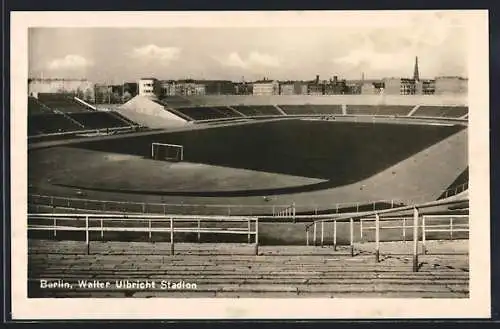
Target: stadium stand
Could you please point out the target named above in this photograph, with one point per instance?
(227, 112)
(379, 109)
(62, 102)
(49, 123)
(441, 111)
(35, 107)
(257, 110)
(123, 118)
(99, 120)
(311, 109)
(207, 113)
(176, 101)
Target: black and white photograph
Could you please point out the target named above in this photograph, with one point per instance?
(325, 164)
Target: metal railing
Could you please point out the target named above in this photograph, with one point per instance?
(415, 226)
(87, 223)
(276, 210)
(455, 224)
(286, 212)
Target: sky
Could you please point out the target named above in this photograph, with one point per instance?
(116, 55)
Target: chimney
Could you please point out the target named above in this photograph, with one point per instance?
(317, 79)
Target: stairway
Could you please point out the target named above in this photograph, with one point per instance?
(231, 271)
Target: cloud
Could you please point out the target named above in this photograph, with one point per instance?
(254, 60)
(234, 60)
(71, 62)
(439, 47)
(165, 55)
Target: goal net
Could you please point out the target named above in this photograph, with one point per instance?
(167, 152)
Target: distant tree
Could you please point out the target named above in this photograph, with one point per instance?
(126, 97)
(88, 97)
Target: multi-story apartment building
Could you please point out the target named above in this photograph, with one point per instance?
(78, 87)
(218, 87)
(243, 88)
(266, 87)
(426, 87)
(149, 87)
(293, 88)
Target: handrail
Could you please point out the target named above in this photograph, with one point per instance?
(386, 211)
(292, 213)
(136, 217)
(415, 226)
(53, 226)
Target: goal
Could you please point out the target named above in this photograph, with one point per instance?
(167, 152)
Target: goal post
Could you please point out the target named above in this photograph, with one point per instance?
(167, 152)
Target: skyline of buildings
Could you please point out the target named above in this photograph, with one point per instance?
(152, 86)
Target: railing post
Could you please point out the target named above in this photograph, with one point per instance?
(149, 227)
(335, 234)
(307, 235)
(102, 229)
(256, 236)
(274, 210)
(361, 228)
(451, 228)
(404, 229)
(55, 227)
(164, 209)
(249, 225)
(87, 240)
(143, 207)
(171, 236)
(424, 249)
(415, 240)
(314, 235)
(322, 232)
(199, 233)
(351, 226)
(377, 238)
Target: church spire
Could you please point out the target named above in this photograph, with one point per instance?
(416, 76)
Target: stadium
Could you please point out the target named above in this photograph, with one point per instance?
(365, 189)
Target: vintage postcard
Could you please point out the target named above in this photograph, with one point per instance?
(187, 165)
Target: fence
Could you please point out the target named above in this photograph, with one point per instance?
(424, 225)
(287, 212)
(84, 223)
(452, 224)
(284, 211)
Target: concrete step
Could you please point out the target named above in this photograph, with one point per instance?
(233, 294)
